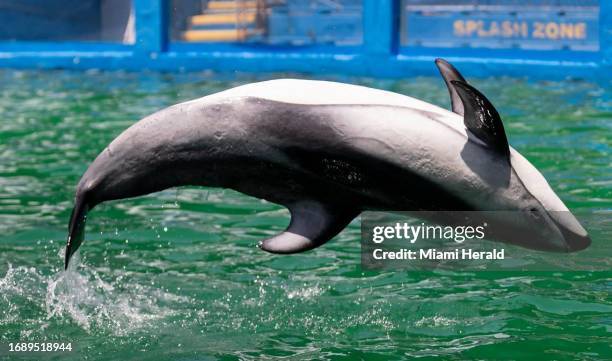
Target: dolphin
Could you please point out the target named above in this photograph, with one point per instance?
(328, 151)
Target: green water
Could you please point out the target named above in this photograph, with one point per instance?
(177, 273)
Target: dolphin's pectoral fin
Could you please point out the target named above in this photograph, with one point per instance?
(482, 119)
(449, 73)
(312, 224)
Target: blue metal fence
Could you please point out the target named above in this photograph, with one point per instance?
(386, 38)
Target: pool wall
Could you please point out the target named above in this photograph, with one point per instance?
(395, 41)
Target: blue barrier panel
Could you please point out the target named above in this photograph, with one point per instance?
(39, 20)
(151, 25)
(371, 28)
(306, 28)
(380, 24)
(67, 20)
(606, 32)
(288, 22)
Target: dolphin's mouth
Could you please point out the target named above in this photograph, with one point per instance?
(76, 228)
(574, 241)
(575, 237)
(552, 231)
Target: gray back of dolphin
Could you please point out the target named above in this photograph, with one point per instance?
(328, 151)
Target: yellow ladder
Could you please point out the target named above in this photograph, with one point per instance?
(235, 15)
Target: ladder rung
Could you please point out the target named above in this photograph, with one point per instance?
(215, 35)
(226, 5)
(214, 19)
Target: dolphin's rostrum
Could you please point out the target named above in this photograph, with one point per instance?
(328, 151)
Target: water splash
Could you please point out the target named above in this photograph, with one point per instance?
(304, 293)
(91, 302)
(97, 301)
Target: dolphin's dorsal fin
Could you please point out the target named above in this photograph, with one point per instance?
(312, 224)
(449, 73)
(482, 119)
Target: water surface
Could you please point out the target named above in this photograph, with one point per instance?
(177, 273)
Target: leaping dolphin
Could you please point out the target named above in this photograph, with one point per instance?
(328, 151)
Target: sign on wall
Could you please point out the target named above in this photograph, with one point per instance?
(524, 27)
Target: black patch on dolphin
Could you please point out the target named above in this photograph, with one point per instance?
(482, 119)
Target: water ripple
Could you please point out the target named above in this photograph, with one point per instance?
(177, 273)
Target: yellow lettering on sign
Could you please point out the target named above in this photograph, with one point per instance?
(520, 29)
(566, 31)
(524, 29)
(580, 30)
(552, 31)
(491, 30)
(459, 28)
(555, 31)
(538, 30)
(495, 29)
(472, 26)
(516, 29)
(507, 29)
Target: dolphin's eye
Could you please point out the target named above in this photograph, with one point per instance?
(534, 212)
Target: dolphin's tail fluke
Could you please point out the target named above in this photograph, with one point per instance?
(76, 228)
